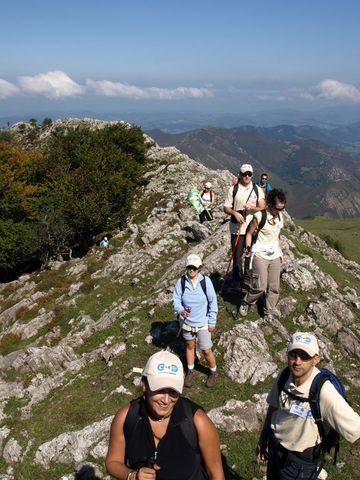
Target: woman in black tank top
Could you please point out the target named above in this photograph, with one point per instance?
(162, 435)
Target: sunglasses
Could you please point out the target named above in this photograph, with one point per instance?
(302, 355)
(279, 209)
(264, 178)
(191, 267)
(247, 174)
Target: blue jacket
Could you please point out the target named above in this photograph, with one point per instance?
(203, 311)
(267, 186)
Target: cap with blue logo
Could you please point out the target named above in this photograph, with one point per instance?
(164, 370)
(304, 341)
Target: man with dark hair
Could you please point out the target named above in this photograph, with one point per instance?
(265, 255)
(264, 184)
(290, 439)
(242, 201)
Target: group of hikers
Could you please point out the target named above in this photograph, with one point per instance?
(165, 436)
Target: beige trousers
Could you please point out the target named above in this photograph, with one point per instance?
(266, 279)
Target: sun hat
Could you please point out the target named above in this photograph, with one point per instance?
(246, 167)
(193, 260)
(207, 185)
(304, 341)
(164, 370)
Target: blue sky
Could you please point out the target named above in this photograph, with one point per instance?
(229, 56)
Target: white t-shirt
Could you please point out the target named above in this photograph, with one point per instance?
(267, 245)
(245, 194)
(293, 424)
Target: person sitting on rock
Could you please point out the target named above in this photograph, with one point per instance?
(105, 243)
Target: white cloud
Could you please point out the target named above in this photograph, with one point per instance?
(117, 89)
(334, 90)
(7, 89)
(56, 84)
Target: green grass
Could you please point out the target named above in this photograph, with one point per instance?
(343, 232)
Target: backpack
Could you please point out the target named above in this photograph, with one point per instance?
(331, 439)
(202, 283)
(211, 195)
(235, 190)
(187, 425)
(259, 227)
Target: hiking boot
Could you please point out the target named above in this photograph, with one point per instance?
(188, 381)
(243, 309)
(210, 382)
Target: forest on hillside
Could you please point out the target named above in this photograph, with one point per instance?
(58, 195)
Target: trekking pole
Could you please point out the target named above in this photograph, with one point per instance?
(233, 252)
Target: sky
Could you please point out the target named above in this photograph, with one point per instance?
(227, 57)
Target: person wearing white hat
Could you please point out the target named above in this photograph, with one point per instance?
(195, 302)
(242, 201)
(208, 199)
(152, 437)
(291, 438)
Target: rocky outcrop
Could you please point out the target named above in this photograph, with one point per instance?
(53, 340)
(246, 354)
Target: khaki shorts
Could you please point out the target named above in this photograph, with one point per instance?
(203, 338)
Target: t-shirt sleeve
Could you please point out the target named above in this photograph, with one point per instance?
(338, 413)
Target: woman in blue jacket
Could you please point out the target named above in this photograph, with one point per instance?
(196, 303)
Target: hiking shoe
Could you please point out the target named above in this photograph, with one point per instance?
(188, 381)
(243, 310)
(210, 382)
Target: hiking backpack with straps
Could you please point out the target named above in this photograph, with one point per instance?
(202, 283)
(187, 425)
(331, 438)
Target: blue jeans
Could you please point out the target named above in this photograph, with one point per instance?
(287, 466)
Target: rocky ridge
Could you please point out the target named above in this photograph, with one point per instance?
(107, 311)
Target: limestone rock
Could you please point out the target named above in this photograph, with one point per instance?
(12, 452)
(246, 354)
(72, 447)
(239, 416)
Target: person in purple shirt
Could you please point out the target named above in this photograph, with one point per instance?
(195, 302)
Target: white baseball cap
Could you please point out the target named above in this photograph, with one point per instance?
(246, 167)
(304, 341)
(207, 185)
(193, 260)
(164, 370)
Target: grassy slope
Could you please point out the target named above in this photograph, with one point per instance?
(345, 231)
(86, 397)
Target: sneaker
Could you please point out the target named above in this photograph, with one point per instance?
(210, 382)
(188, 381)
(243, 310)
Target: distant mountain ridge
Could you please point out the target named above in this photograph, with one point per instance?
(320, 178)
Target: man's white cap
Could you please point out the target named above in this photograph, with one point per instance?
(246, 167)
(304, 341)
(207, 185)
(193, 260)
(164, 370)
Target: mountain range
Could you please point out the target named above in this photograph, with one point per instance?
(75, 335)
(320, 177)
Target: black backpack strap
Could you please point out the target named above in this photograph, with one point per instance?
(260, 226)
(314, 398)
(182, 284)
(132, 419)
(188, 427)
(284, 375)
